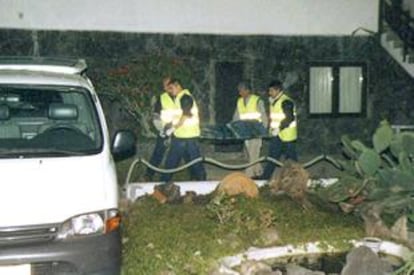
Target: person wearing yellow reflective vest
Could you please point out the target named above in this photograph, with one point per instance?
(184, 130)
(251, 107)
(160, 120)
(283, 127)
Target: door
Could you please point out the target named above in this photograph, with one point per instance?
(228, 75)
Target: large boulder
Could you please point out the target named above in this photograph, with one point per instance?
(292, 179)
(238, 183)
(363, 261)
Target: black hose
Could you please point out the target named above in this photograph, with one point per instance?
(225, 165)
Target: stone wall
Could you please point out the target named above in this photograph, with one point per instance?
(390, 89)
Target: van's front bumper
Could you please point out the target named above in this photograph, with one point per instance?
(88, 255)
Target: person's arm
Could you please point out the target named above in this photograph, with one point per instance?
(263, 114)
(287, 107)
(156, 115)
(156, 109)
(186, 103)
(236, 115)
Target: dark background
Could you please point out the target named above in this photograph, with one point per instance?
(211, 65)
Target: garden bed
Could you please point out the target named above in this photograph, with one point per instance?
(190, 238)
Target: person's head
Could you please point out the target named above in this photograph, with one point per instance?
(175, 86)
(165, 84)
(244, 89)
(275, 88)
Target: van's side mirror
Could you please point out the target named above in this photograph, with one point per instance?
(123, 145)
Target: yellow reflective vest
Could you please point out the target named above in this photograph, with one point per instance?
(172, 112)
(249, 111)
(167, 108)
(277, 116)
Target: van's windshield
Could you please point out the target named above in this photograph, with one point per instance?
(47, 121)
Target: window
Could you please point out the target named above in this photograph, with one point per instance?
(48, 120)
(337, 89)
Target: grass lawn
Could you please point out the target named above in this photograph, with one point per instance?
(190, 238)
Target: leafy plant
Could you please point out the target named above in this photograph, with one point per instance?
(380, 177)
(137, 82)
(189, 239)
(407, 268)
(241, 211)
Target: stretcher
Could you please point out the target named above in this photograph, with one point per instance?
(236, 130)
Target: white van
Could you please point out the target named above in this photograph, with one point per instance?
(58, 185)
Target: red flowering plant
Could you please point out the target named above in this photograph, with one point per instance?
(139, 82)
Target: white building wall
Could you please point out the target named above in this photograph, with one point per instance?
(271, 17)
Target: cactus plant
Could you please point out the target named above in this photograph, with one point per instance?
(382, 137)
(381, 177)
(369, 161)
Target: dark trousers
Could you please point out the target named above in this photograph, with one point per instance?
(277, 148)
(156, 157)
(187, 149)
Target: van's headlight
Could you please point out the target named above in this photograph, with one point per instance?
(90, 224)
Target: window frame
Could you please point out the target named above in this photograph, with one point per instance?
(336, 66)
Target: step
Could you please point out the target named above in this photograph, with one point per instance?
(396, 53)
(392, 36)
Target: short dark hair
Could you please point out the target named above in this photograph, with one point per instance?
(174, 80)
(243, 85)
(276, 84)
(167, 77)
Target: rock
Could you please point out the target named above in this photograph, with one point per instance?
(375, 226)
(238, 183)
(293, 180)
(363, 261)
(167, 192)
(293, 269)
(269, 237)
(189, 197)
(255, 268)
(223, 270)
(159, 196)
(399, 230)
(172, 191)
